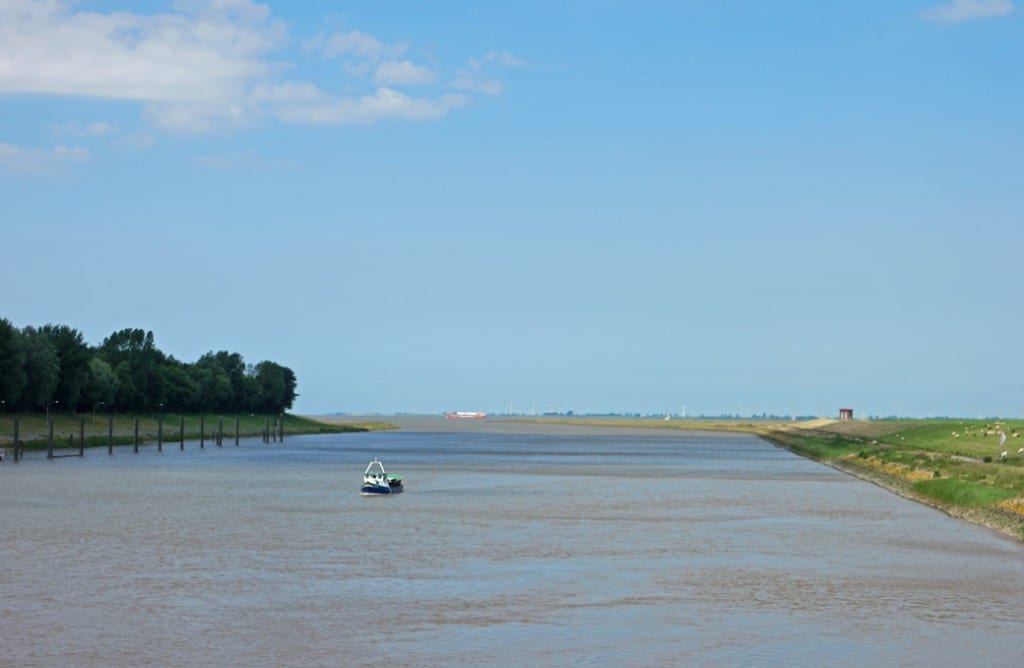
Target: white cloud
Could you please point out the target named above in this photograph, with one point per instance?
(208, 65)
(403, 73)
(358, 70)
(472, 77)
(20, 159)
(504, 58)
(79, 129)
(473, 82)
(171, 62)
(963, 10)
(306, 104)
(354, 43)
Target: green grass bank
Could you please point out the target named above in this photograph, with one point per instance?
(951, 464)
(33, 432)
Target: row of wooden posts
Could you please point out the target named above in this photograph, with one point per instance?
(271, 431)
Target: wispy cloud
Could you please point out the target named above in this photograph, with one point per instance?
(504, 58)
(964, 10)
(21, 159)
(474, 78)
(353, 44)
(403, 73)
(471, 80)
(79, 129)
(210, 65)
(306, 104)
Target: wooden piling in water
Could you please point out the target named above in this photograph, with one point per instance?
(81, 437)
(110, 435)
(160, 433)
(220, 432)
(280, 435)
(202, 431)
(237, 422)
(49, 439)
(181, 433)
(136, 434)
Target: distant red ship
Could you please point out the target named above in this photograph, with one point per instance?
(465, 415)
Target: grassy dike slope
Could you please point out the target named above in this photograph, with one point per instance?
(952, 465)
(32, 429)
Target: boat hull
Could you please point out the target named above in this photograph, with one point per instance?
(379, 490)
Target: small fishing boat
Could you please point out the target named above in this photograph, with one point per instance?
(378, 481)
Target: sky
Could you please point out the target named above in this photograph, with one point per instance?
(651, 206)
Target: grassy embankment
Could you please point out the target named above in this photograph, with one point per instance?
(951, 464)
(32, 430)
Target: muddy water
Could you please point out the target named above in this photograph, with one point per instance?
(558, 548)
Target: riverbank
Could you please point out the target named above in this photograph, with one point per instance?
(119, 429)
(956, 466)
(952, 465)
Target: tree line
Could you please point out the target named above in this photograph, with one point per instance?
(52, 366)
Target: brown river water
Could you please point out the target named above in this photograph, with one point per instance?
(513, 545)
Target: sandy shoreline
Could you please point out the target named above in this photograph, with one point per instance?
(492, 425)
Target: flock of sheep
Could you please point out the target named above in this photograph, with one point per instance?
(998, 428)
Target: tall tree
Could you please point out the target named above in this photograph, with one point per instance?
(12, 364)
(215, 392)
(73, 355)
(137, 350)
(102, 385)
(42, 368)
(233, 367)
(126, 397)
(270, 378)
(181, 392)
(276, 387)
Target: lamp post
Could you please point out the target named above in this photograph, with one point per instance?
(160, 427)
(49, 429)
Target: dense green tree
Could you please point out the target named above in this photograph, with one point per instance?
(136, 348)
(180, 391)
(12, 365)
(271, 383)
(128, 373)
(215, 390)
(276, 387)
(102, 385)
(42, 369)
(249, 397)
(291, 383)
(73, 355)
(126, 396)
(232, 367)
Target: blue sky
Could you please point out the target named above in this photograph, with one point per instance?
(732, 206)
